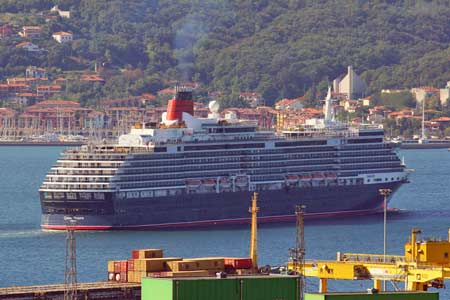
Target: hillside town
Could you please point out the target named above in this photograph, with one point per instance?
(32, 108)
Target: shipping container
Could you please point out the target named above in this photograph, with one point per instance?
(117, 266)
(208, 263)
(179, 274)
(154, 264)
(131, 265)
(232, 288)
(378, 296)
(111, 266)
(123, 266)
(176, 266)
(136, 276)
(238, 263)
(147, 253)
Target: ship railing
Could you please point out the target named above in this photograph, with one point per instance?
(322, 132)
(371, 258)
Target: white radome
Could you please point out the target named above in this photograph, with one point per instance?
(214, 106)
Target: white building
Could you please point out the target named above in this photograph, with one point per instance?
(351, 85)
(62, 37)
(35, 72)
(61, 13)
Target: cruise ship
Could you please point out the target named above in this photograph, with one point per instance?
(188, 171)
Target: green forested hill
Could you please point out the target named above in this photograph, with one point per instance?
(278, 47)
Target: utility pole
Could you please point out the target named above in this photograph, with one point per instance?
(70, 275)
(254, 231)
(385, 193)
(297, 254)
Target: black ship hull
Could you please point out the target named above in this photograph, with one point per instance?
(118, 212)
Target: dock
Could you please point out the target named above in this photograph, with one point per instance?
(92, 291)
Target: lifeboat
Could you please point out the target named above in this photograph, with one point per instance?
(225, 182)
(241, 181)
(318, 176)
(193, 183)
(305, 177)
(209, 182)
(331, 176)
(291, 179)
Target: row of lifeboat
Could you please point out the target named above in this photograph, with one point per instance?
(294, 178)
(224, 182)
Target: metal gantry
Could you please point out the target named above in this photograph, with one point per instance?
(297, 254)
(70, 274)
(385, 193)
(425, 264)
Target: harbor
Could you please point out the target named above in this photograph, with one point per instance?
(425, 265)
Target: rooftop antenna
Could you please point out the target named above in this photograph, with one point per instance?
(254, 231)
(70, 275)
(297, 254)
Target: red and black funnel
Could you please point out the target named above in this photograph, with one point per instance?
(183, 102)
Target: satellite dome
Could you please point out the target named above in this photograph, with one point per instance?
(214, 106)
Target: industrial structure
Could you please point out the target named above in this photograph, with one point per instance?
(425, 264)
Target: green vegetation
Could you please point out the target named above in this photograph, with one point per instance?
(276, 47)
(397, 101)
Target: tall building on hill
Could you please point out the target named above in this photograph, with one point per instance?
(350, 84)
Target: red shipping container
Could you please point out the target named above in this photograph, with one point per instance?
(117, 266)
(123, 277)
(135, 254)
(123, 266)
(239, 263)
(131, 265)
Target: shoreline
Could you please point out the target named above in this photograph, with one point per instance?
(19, 143)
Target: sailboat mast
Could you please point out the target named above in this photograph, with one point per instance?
(423, 118)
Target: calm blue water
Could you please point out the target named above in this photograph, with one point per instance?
(30, 256)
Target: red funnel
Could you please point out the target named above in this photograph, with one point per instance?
(183, 102)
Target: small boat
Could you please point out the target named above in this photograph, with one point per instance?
(225, 182)
(193, 183)
(305, 177)
(209, 182)
(318, 176)
(291, 178)
(241, 180)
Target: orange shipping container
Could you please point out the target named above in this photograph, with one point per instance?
(176, 266)
(208, 263)
(131, 265)
(238, 263)
(111, 266)
(198, 273)
(147, 253)
(117, 266)
(153, 264)
(136, 276)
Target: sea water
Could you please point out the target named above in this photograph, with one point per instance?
(29, 256)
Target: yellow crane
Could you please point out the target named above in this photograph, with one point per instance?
(425, 263)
